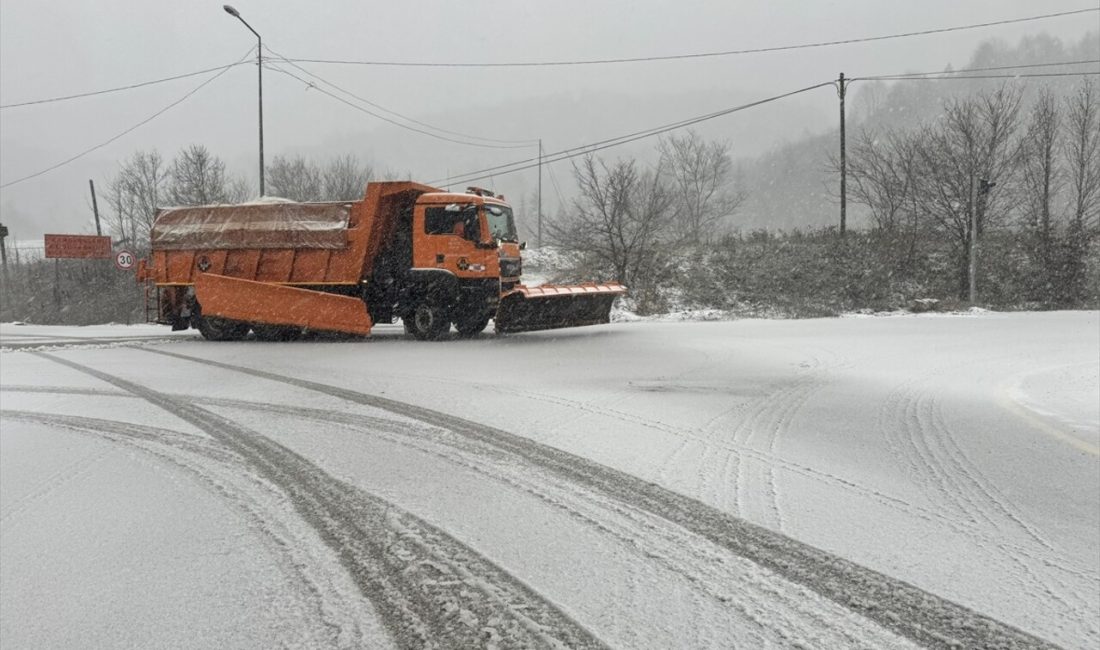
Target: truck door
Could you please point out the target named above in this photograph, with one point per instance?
(446, 239)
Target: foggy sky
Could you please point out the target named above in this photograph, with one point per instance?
(59, 48)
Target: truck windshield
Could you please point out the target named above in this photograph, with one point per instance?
(501, 225)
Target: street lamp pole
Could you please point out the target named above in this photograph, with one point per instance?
(260, 70)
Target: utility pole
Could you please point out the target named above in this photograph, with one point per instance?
(979, 190)
(538, 239)
(4, 257)
(4, 248)
(95, 208)
(973, 272)
(842, 86)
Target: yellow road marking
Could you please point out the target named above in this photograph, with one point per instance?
(1009, 404)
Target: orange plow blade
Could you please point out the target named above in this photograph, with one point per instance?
(273, 304)
(527, 309)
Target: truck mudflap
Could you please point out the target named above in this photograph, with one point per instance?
(273, 304)
(527, 309)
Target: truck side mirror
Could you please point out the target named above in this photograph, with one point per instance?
(523, 245)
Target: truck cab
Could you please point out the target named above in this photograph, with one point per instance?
(464, 253)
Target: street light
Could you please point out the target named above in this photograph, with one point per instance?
(260, 69)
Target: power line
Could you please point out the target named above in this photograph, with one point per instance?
(387, 119)
(981, 76)
(119, 88)
(697, 55)
(554, 63)
(987, 69)
(591, 147)
(565, 154)
(557, 188)
(395, 113)
(152, 117)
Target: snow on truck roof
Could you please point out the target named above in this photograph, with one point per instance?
(461, 196)
(266, 224)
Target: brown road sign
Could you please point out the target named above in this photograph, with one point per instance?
(78, 246)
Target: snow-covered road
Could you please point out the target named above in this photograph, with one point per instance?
(854, 482)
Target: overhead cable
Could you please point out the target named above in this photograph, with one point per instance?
(565, 154)
(392, 112)
(560, 63)
(582, 150)
(394, 122)
(120, 88)
(977, 76)
(1022, 66)
(152, 117)
(696, 55)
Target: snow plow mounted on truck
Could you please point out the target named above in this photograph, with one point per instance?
(406, 250)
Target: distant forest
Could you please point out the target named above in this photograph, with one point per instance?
(795, 185)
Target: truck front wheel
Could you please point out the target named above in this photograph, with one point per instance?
(222, 329)
(471, 326)
(427, 322)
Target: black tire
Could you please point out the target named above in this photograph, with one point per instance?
(470, 327)
(222, 329)
(277, 332)
(427, 322)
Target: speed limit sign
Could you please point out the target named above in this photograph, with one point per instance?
(124, 260)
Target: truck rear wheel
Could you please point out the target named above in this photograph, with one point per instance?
(277, 332)
(427, 322)
(222, 329)
(470, 327)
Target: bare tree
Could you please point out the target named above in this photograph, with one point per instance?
(1041, 172)
(882, 175)
(239, 189)
(971, 143)
(198, 178)
(134, 195)
(700, 176)
(621, 217)
(345, 178)
(1082, 152)
(295, 178)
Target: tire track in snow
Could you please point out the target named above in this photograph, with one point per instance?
(429, 590)
(934, 460)
(200, 459)
(652, 544)
(768, 417)
(985, 498)
(76, 342)
(880, 498)
(897, 605)
(708, 575)
(662, 545)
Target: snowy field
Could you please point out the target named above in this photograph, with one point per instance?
(877, 482)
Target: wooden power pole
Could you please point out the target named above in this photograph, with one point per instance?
(841, 88)
(95, 208)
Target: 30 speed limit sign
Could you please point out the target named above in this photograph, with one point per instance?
(124, 260)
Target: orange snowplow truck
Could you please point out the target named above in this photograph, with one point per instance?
(406, 250)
